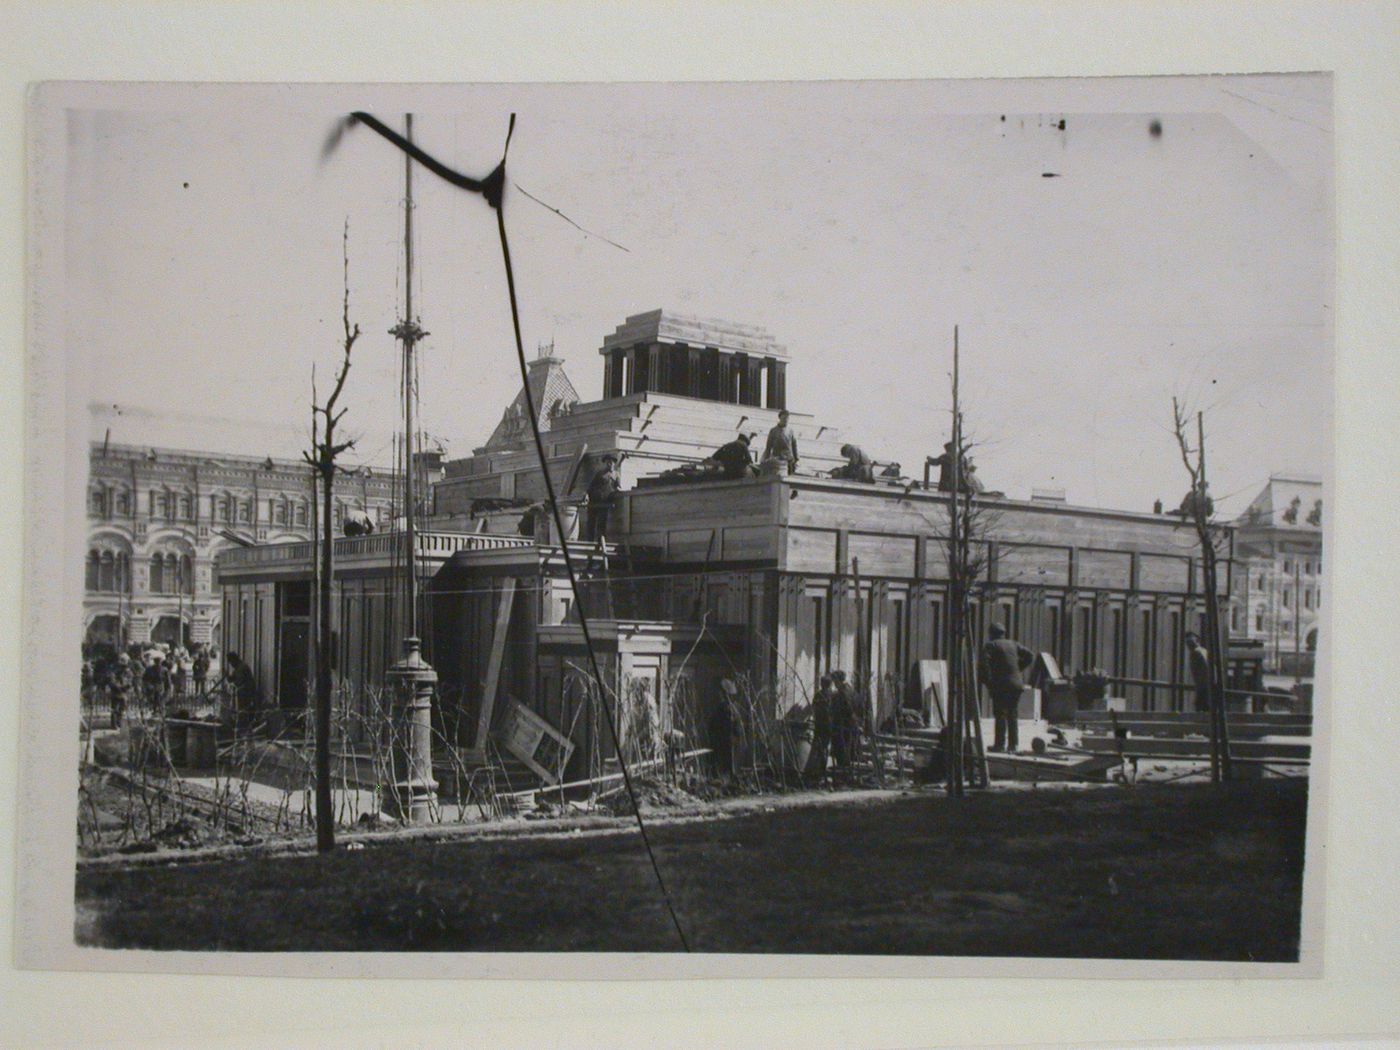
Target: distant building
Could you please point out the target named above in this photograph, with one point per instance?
(1277, 588)
(157, 517)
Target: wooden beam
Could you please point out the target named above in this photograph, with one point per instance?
(493, 669)
(579, 457)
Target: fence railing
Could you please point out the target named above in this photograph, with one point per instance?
(1254, 700)
(439, 544)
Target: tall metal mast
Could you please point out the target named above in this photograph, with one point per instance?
(409, 333)
(412, 791)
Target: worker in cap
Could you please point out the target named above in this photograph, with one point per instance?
(782, 443)
(602, 497)
(1199, 660)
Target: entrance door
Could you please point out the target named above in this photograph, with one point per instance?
(294, 665)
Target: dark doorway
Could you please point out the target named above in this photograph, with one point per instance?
(294, 665)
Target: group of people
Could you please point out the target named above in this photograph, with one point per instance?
(154, 678)
(734, 459)
(837, 722)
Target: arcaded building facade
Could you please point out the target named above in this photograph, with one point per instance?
(157, 518)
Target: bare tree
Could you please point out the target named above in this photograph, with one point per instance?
(1198, 507)
(325, 451)
(967, 552)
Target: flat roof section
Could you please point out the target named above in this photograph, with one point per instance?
(665, 326)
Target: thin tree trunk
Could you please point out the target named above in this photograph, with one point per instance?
(325, 821)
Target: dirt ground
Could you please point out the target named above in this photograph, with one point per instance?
(1178, 872)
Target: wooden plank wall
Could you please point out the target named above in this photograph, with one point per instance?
(249, 629)
(718, 521)
(1124, 633)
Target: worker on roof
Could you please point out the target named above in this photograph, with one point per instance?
(782, 444)
(602, 497)
(734, 458)
(1199, 498)
(948, 466)
(859, 466)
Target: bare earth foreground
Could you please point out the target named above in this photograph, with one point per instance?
(1179, 872)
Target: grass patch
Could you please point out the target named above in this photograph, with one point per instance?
(1156, 872)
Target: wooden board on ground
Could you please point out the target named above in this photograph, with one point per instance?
(1184, 723)
(1052, 766)
(535, 742)
(1171, 747)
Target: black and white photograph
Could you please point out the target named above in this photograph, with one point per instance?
(830, 519)
(751, 525)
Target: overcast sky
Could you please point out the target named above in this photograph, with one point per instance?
(858, 222)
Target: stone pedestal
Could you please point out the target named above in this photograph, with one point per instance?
(412, 794)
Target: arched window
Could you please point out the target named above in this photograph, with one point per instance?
(301, 513)
(123, 501)
(186, 574)
(186, 507)
(157, 583)
(245, 510)
(97, 502)
(91, 576)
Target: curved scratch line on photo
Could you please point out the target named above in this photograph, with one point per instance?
(570, 221)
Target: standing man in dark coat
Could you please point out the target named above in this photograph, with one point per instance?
(843, 721)
(821, 730)
(243, 687)
(602, 496)
(1200, 670)
(201, 672)
(720, 730)
(1003, 666)
(119, 689)
(782, 444)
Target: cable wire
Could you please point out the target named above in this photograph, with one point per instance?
(492, 189)
(569, 561)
